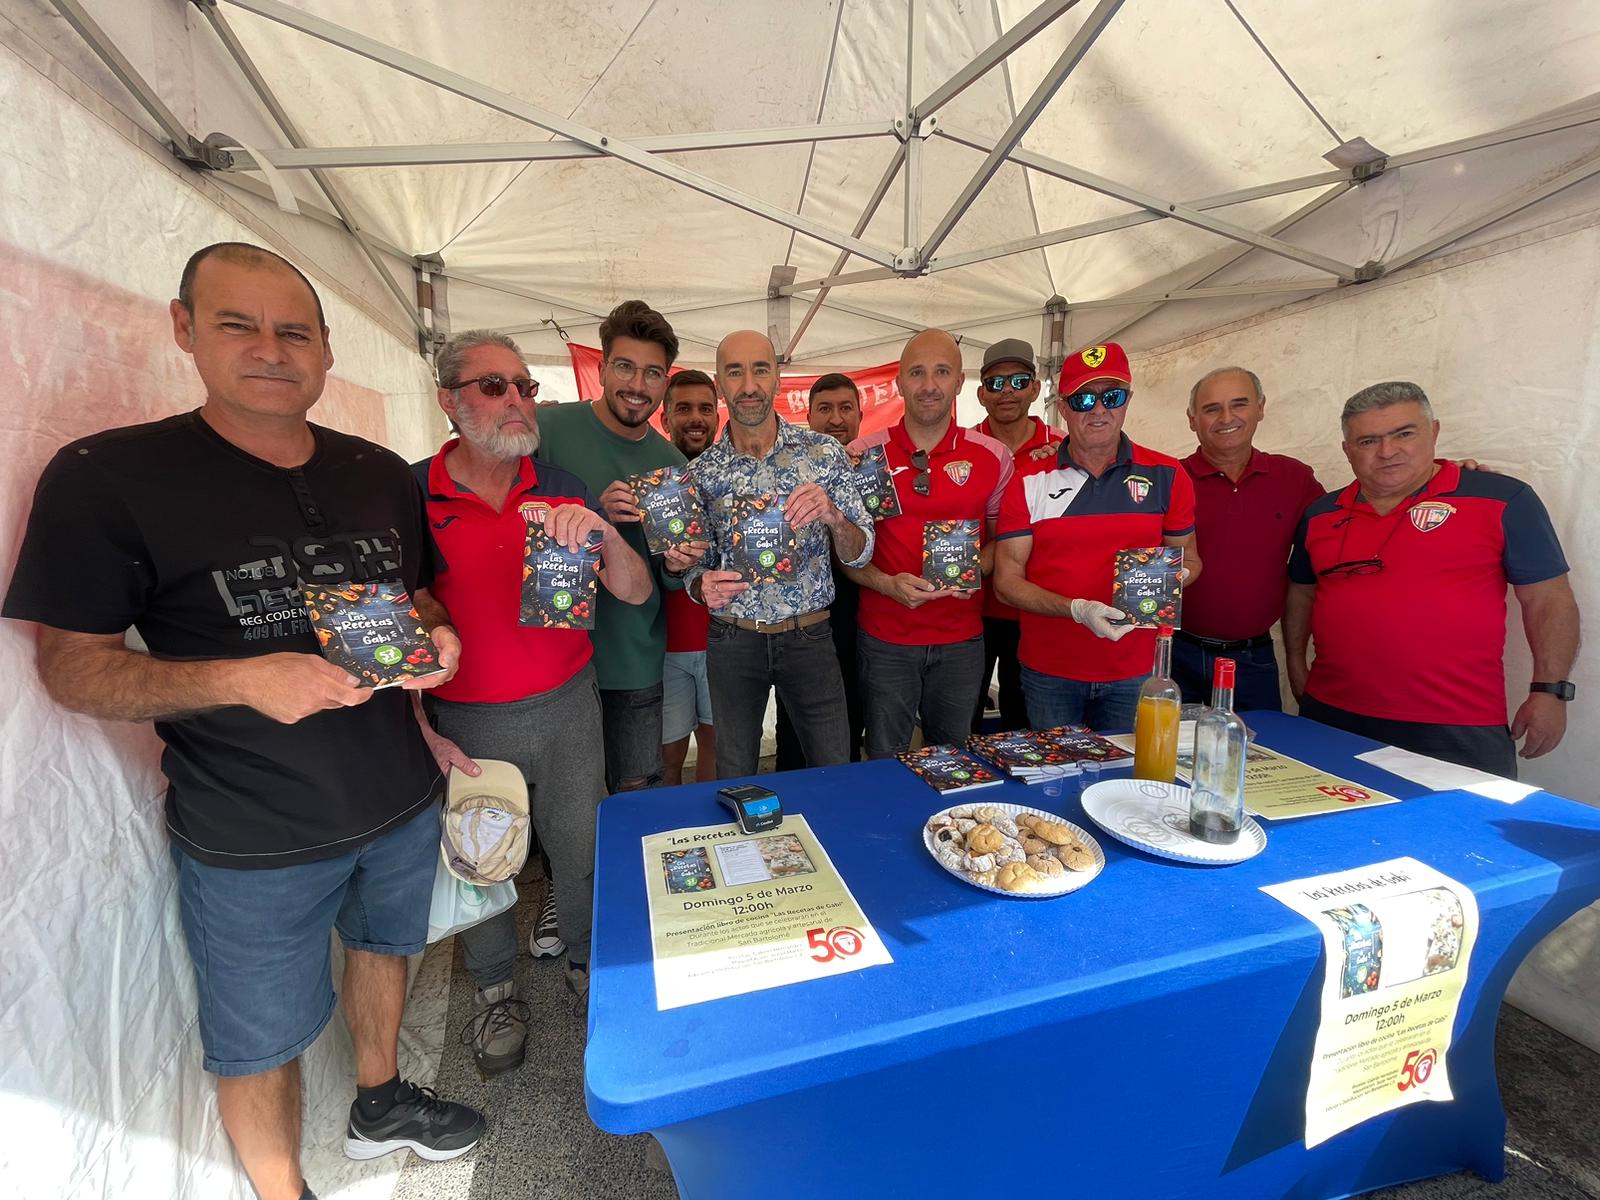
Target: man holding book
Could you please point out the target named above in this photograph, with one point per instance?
(299, 801)
(920, 647)
(1008, 386)
(780, 501)
(1400, 580)
(689, 416)
(526, 695)
(1061, 525)
(603, 442)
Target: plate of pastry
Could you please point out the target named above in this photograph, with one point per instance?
(1013, 850)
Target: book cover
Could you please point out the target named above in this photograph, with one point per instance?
(669, 508)
(559, 586)
(371, 630)
(949, 769)
(1078, 744)
(1019, 752)
(763, 544)
(950, 555)
(1145, 585)
(876, 484)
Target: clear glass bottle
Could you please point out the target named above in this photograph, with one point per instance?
(1216, 799)
(1155, 725)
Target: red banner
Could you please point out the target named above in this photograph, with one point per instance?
(881, 405)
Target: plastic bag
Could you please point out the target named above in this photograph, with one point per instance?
(459, 905)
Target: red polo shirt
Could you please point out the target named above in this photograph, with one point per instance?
(687, 622)
(1424, 638)
(1023, 457)
(1078, 523)
(1244, 531)
(480, 583)
(967, 475)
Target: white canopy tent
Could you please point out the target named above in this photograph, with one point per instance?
(1331, 194)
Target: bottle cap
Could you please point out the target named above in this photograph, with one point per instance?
(1163, 631)
(1222, 674)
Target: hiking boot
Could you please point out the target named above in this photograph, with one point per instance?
(545, 940)
(498, 1031)
(419, 1121)
(578, 980)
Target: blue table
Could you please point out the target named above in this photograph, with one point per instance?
(1148, 1036)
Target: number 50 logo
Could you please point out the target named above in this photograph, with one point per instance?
(839, 942)
(1418, 1066)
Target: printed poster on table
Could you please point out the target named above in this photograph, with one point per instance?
(732, 912)
(1397, 938)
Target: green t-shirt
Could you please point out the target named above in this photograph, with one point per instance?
(630, 640)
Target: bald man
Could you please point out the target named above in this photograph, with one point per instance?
(919, 648)
(768, 634)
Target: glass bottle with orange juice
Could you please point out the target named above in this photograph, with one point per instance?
(1155, 726)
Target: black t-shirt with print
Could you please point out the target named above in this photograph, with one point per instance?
(170, 529)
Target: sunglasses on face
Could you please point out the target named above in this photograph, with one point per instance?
(494, 386)
(1083, 402)
(996, 384)
(919, 460)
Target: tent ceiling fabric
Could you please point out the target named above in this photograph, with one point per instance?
(1174, 98)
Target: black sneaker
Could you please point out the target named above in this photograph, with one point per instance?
(434, 1129)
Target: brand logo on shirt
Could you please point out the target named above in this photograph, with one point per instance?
(1094, 356)
(1138, 488)
(1430, 514)
(959, 472)
(528, 509)
(447, 522)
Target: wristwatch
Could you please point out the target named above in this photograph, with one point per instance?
(1561, 690)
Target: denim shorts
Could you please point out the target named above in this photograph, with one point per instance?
(685, 695)
(259, 939)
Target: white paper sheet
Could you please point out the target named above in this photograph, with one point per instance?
(1447, 777)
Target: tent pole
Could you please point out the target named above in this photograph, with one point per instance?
(916, 63)
(1026, 115)
(991, 56)
(511, 289)
(1509, 204)
(258, 84)
(471, 89)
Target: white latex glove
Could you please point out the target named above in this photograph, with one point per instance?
(1100, 619)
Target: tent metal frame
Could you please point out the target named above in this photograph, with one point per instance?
(918, 255)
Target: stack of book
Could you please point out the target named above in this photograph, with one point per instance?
(1036, 755)
(948, 769)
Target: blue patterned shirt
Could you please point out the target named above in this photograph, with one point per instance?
(798, 456)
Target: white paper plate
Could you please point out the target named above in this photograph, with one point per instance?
(1075, 879)
(1154, 817)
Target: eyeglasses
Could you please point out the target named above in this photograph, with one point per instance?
(1356, 566)
(921, 484)
(1083, 402)
(625, 371)
(996, 384)
(494, 386)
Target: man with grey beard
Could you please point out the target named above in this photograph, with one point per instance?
(529, 695)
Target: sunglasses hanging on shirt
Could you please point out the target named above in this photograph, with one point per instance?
(1082, 402)
(919, 460)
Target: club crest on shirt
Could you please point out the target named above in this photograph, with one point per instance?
(1430, 514)
(959, 472)
(1138, 488)
(529, 509)
(1094, 356)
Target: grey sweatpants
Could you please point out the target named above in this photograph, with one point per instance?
(554, 739)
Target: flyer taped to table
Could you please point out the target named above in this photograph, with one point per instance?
(732, 912)
(1278, 787)
(1398, 939)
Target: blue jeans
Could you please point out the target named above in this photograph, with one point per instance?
(1255, 679)
(1103, 707)
(259, 939)
(745, 667)
(904, 685)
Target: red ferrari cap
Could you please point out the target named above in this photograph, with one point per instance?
(1108, 361)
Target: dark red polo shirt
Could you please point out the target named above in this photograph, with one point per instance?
(1078, 523)
(1244, 531)
(967, 474)
(1424, 638)
(480, 583)
(687, 622)
(1023, 457)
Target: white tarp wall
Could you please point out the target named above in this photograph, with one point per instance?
(101, 1090)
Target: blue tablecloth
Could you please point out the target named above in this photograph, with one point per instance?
(1147, 1036)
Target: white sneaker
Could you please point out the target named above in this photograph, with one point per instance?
(545, 941)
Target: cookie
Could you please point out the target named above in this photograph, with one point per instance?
(1017, 877)
(1033, 845)
(1076, 856)
(985, 839)
(1048, 865)
(1053, 832)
